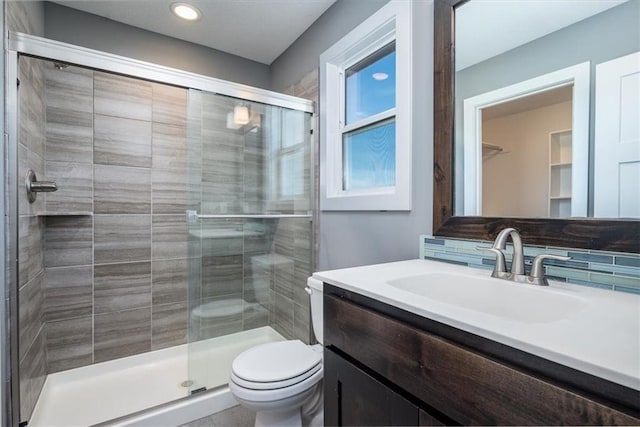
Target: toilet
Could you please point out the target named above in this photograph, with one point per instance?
(282, 381)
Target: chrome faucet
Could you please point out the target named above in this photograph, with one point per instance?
(517, 263)
(517, 273)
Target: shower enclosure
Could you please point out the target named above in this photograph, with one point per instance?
(180, 233)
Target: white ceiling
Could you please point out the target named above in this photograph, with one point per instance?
(528, 103)
(486, 28)
(255, 29)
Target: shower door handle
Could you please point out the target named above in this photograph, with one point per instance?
(34, 186)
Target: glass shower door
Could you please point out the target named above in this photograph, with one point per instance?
(251, 237)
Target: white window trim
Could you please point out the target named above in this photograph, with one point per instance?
(392, 22)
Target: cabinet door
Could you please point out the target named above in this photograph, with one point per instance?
(354, 398)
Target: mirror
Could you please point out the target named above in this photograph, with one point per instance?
(547, 109)
(575, 177)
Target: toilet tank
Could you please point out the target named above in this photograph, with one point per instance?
(314, 289)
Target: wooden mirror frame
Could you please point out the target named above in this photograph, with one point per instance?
(586, 233)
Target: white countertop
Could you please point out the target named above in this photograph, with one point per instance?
(601, 338)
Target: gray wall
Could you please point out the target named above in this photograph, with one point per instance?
(603, 37)
(302, 56)
(91, 31)
(357, 238)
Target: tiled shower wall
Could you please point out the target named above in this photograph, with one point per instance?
(601, 269)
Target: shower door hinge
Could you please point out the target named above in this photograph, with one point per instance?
(18, 84)
(23, 424)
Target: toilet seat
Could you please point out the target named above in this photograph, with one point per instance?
(276, 362)
(273, 395)
(256, 385)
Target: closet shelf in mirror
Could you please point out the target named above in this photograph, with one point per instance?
(62, 213)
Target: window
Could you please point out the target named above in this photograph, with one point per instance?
(365, 115)
(288, 142)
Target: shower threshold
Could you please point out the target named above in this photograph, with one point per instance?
(110, 390)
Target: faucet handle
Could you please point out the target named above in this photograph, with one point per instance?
(537, 269)
(501, 265)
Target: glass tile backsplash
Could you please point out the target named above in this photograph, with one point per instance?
(600, 269)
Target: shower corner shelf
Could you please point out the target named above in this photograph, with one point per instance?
(62, 213)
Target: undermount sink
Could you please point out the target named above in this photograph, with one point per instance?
(501, 298)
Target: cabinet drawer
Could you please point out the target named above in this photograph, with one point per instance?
(462, 384)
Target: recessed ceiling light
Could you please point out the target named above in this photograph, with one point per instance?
(185, 11)
(380, 76)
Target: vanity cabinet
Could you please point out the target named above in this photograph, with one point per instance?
(384, 366)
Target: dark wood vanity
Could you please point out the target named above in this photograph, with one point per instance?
(386, 366)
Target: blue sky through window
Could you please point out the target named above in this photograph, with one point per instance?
(369, 157)
(371, 85)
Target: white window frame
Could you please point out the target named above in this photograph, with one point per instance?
(391, 23)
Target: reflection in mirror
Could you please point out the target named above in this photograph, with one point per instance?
(547, 109)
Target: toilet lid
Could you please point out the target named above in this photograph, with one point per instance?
(276, 361)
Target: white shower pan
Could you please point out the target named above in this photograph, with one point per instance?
(115, 392)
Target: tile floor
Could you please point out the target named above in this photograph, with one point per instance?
(232, 417)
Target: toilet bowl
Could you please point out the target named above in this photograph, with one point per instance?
(282, 381)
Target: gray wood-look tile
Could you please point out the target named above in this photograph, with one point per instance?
(302, 323)
(75, 187)
(283, 311)
(171, 238)
(255, 316)
(169, 104)
(221, 275)
(222, 185)
(169, 325)
(122, 238)
(285, 277)
(69, 112)
(169, 146)
(121, 334)
(68, 241)
(18, 18)
(69, 292)
(119, 287)
(122, 190)
(258, 277)
(30, 253)
(121, 96)
(33, 372)
(122, 142)
(30, 312)
(69, 343)
(307, 87)
(172, 193)
(170, 280)
(220, 325)
(31, 105)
